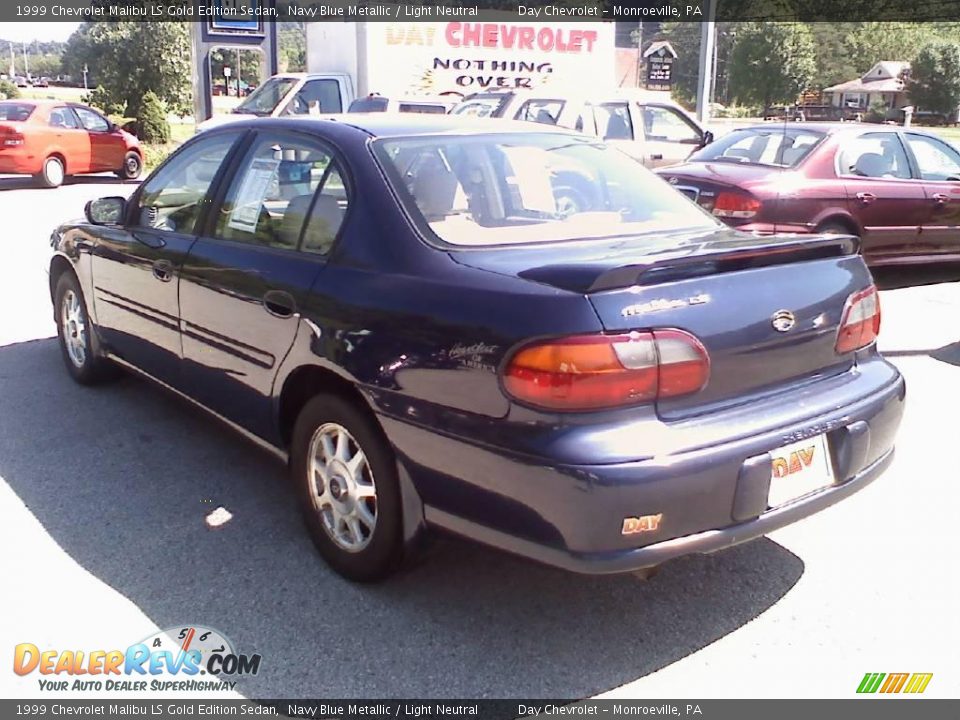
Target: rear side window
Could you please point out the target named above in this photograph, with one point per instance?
(874, 155)
(171, 198)
(937, 160)
(288, 191)
(16, 112)
(63, 117)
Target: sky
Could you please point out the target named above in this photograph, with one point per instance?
(27, 31)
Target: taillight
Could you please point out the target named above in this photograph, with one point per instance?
(735, 205)
(860, 323)
(589, 372)
(12, 139)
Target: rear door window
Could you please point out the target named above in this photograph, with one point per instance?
(874, 155)
(288, 190)
(63, 117)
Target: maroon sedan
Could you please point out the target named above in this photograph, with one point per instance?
(898, 189)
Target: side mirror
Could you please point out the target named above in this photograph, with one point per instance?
(105, 211)
(707, 138)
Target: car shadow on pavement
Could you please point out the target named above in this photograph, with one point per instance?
(26, 182)
(122, 477)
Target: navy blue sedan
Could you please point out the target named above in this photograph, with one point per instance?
(515, 334)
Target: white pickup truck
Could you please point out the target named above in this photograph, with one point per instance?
(644, 124)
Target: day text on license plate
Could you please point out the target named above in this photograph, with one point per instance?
(799, 469)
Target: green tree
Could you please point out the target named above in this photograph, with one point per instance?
(685, 39)
(935, 77)
(292, 43)
(129, 59)
(771, 62)
(8, 91)
(152, 125)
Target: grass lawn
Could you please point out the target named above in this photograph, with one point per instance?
(951, 134)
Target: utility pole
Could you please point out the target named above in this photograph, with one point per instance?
(13, 64)
(85, 71)
(239, 73)
(708, 38)
(26, 65)
(638, 81)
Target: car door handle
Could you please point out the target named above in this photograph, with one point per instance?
(866, 198)
(280, 303)
(656, 156)
(941, 198)
(163, 270)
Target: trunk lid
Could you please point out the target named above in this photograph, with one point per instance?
(701, 182)
(723, 287)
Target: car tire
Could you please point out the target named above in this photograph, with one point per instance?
(53, 172)
(77, 336)
(132, 166)
(345, 476)
(835, 228)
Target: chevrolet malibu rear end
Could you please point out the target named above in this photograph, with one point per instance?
(520, 336)
(692, 388)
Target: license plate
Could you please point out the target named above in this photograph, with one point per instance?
(799, 469)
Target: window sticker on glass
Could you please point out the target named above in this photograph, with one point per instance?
(249, 203)
(531, 178)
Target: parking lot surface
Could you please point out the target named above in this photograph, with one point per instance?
(104, 492)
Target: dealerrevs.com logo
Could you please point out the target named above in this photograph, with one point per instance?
(185, 658)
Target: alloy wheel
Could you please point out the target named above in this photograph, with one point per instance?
(74, 325)
(342, 487)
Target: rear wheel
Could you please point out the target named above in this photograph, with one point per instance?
(78, 339)
(132, 166)
(346, 480)
(53, 173)
(834, 227)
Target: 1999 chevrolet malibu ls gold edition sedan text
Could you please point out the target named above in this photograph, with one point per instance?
(515, 334)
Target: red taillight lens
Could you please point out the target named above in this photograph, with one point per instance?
(12, 139)
(860, 323)
(589, 372)
(735, 205)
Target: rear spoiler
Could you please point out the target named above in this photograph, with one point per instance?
(719, 259)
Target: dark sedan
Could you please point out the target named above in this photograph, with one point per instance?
(897, 189)
(417, 314)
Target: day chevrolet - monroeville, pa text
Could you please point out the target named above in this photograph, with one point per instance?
(415, 314)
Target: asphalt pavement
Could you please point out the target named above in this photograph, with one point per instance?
(104, 492)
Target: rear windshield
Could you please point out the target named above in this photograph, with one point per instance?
(15, 111)
(506, 189)
(776, 146)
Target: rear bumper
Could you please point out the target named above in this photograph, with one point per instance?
(710, 497)
(17, 163)
(761, 228)
(702, 543)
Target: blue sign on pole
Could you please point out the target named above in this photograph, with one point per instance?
(236, 17)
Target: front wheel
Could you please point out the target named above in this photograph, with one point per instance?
(78, 340)
(346, 480)
(132, 166)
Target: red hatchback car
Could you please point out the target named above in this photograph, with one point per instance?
(51, 140)
(898, 189)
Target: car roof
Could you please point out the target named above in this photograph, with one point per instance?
(404, 124)
(834, 128)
